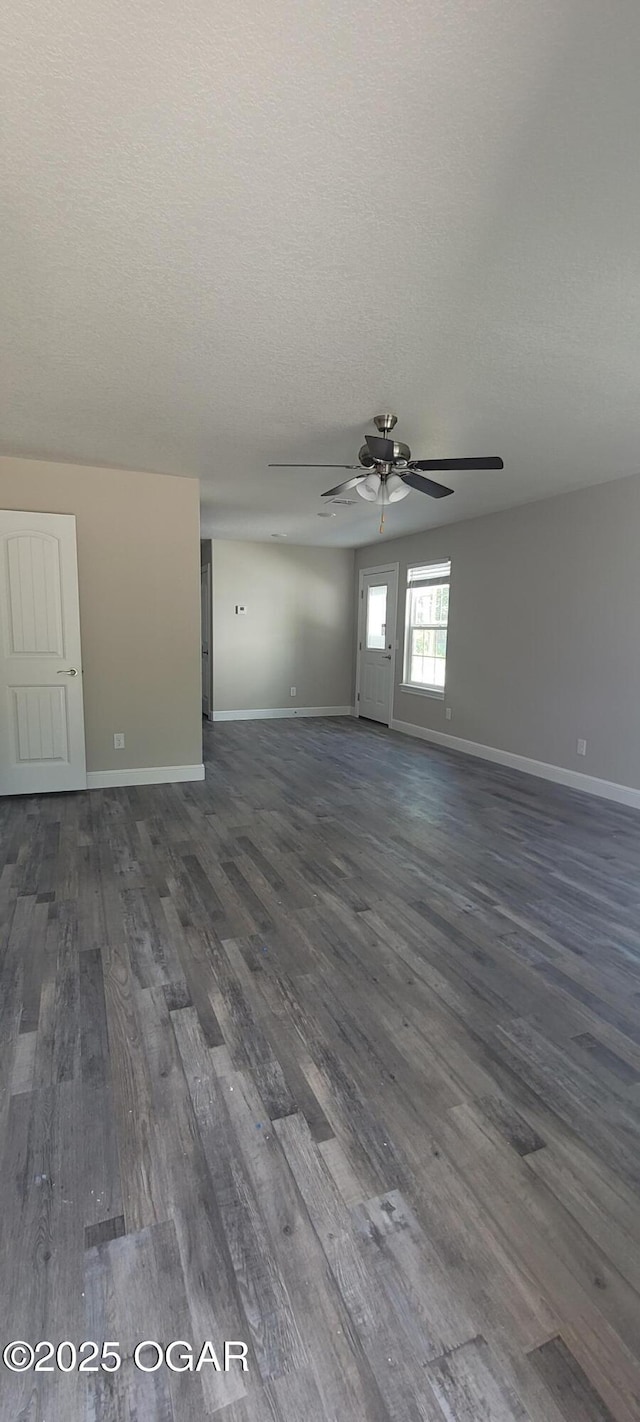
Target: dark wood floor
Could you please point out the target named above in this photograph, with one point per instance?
(337, 1053)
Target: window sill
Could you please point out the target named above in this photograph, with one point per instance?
(422, 691)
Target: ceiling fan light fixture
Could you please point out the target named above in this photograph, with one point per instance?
(382, 491)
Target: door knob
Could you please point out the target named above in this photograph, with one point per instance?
(387, 656)
(71, 672)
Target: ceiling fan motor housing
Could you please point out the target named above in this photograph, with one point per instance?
(401, 455)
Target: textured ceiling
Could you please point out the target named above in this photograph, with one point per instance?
(233, 232)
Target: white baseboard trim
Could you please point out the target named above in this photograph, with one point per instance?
(590, 784)
(278, 713)
(143, 775)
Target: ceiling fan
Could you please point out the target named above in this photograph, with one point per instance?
(386, 471)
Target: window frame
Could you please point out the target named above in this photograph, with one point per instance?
(433, 575)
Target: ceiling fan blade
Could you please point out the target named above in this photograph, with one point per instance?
(341, 488)
(380, 448)
(313, 466)
(488, 462)
(426, 486)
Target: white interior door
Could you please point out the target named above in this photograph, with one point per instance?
(376, 642)
(205, 634)
(41, 712)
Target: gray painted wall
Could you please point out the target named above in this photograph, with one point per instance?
(544, 629)
(297, 631)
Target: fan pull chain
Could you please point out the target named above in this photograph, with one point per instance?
(381, 528)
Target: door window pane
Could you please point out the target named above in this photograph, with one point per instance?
(376, 617)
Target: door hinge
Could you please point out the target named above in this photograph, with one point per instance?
(358, 697)
(359, 646)
(362, 592)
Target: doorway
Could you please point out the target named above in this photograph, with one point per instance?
(205, 631)
(377, 617)
(42, 743)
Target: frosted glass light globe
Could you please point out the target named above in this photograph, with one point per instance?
(369, 488)
(396, 489)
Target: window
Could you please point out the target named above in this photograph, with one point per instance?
(425, 649)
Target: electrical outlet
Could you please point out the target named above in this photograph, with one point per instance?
(293, 691)
(240, 609)
(447, 713)
(118, 740)
(581, 747)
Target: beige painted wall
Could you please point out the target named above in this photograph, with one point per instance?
(138, 565)
(297, 631)
(544, 629)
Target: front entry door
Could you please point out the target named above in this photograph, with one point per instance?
(41, 712)
(379, 592)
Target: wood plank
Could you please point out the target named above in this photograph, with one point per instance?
(24, 1063)
(568, 1384)
(263, 1294)
(281, 1077)
(146, 1298)
(136, 1125)
(608, 1060)
(196, 973)
(468, 1386)
(189, 1197)
(106, 1230)
(41, 1215)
